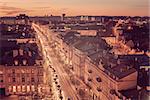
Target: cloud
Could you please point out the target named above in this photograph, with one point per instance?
(12, 12)
(7, 10)
(38, 8)
(142, 5)
(61, 10)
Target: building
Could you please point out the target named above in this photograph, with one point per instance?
(93, 65)
(7, 20)
(63, 17)
(88, 59)
(21, 74)
(22, 19)
(21, 63)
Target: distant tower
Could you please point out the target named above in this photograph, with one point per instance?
(63, 17)
(84, 18)
(102, 19)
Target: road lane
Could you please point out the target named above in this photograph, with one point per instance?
(63, 77)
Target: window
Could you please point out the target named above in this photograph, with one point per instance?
(23, 79)
(40, 63)
(1, 81)
(14, 88)
(99, 89)
(89, 79)
(112, 91)
(1, 72)
(10, 88)
(98, 79)
(32, 71)
(19, 88)
(90, 71)
(23, 88)
(13, 71)
(13, 79)
(32, 79)
(33, 88)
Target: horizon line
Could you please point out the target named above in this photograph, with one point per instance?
(76, 15)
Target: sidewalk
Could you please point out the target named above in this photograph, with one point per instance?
(11, 97)
(75, 82)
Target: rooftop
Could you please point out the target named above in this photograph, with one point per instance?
(98, 50)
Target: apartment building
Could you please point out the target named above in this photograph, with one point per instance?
(88, 59)
(21, 64)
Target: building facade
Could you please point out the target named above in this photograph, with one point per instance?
(83, 58)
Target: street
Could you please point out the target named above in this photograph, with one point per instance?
(68, 90)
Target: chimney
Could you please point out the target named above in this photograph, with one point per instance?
(118, 61)
(21, 52)
(15, 53)
(121, 70)
(29, 53)
(129, 67)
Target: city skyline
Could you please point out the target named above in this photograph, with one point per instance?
(75, 7)
(74, 58)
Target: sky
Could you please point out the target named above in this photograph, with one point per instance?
(75, 7)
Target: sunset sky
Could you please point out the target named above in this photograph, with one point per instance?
(74, 7)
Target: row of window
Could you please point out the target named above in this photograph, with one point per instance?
(21, 88)
(23, 70)
(98, 79)
(24, 73)
(23, 80)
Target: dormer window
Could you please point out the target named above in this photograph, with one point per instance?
(24, 62)
(114, 76)
(118, 61)
(136, 59)
(20, 51)
(23, 34)
(30, 53)
(16, 62)
(123, 69)
(117, 78)
(129, 67)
